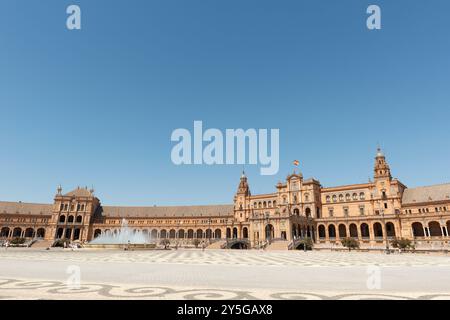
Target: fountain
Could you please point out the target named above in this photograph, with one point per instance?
(123, 238)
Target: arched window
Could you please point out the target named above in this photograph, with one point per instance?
(308, 212)
(334, 198)
(321, 231)
(306, 197)
(355, 196)
(353, 230)
(328, 199)
(296, 212)
(331, 231)
(341, 197)
(342, 231)
(347, 197)
(417, 228)
(365, 233)
(70, 219)
(377, 230)
(79, 219)
(362, 196)
(62, 218)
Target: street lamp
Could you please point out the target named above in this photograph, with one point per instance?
(268, 231)
(210, 232)
(385, 232)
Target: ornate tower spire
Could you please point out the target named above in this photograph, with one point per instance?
(381, 169)
(243, 187)
(59, 190)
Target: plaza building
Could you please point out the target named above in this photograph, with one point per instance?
(374, 213)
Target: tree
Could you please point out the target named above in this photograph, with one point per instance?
(350, 243)
(17, 241)
(305, 243)
(402, 244)
(165, 243)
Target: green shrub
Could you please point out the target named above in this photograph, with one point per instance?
(350, 243)
(305, 243)
(196, 242)
(17, 241)
(60, 243)
(402, 243)
(165, 243)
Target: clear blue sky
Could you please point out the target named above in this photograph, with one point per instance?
(97, 106)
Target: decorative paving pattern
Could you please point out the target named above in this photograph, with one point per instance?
(57, 290)
(231, 257)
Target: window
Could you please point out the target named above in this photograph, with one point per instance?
(355, 196)
(361, 210)
(328, 199)
(347, 197)
(330, 212)
(385, 205)
(334, 198)
(341, 197)
(346, 211)
(362, 196)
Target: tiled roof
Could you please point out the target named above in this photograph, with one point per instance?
(79, 192)
(171, 211)
(438, 192)
(25, 208)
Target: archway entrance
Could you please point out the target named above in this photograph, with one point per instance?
(235, 233)
(417, 229)
(269, 232)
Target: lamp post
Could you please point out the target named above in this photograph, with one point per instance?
(268, 231)
(385, 231)
(210, 231)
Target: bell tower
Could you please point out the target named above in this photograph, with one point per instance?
(242, 200)
(381, 169)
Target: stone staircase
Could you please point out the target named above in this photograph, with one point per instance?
(278, 245)
(216, 244)
(42, 244)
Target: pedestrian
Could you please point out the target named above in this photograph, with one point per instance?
(6, 245)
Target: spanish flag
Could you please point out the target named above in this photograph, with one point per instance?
(296, 163)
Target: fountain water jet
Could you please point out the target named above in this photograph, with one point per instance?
(125, 236)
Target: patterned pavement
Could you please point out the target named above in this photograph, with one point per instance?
(230, 257)
(220, 274)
